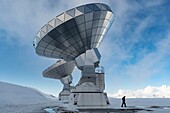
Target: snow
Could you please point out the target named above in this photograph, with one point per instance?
(158, 105)
(141, 101)
(20, 99)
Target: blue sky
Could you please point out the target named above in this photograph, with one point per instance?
(135, 51)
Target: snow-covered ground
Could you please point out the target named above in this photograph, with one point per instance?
(158, 105)
(141, 101)
(19, 99)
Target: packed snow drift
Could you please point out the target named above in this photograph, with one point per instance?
(20, 99)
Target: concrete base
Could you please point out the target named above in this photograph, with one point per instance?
(91, 99)
(88, 94)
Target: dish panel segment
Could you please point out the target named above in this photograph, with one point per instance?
(74, 31)
(59, 70)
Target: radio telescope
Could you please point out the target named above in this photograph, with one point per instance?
(61, 70)
(75, 35)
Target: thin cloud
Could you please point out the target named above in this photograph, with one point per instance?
(148, 92)
(130, 48)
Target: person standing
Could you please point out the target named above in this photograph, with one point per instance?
(123, 102)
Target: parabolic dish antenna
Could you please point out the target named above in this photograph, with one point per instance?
(59, 70)
(73, 32)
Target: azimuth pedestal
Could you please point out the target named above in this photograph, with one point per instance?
(89, 90)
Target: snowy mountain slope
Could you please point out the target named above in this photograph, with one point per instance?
(15, 93)
(20, 99)
(44, 95)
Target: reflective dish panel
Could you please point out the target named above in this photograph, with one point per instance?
(73, 32)
(59, 70)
